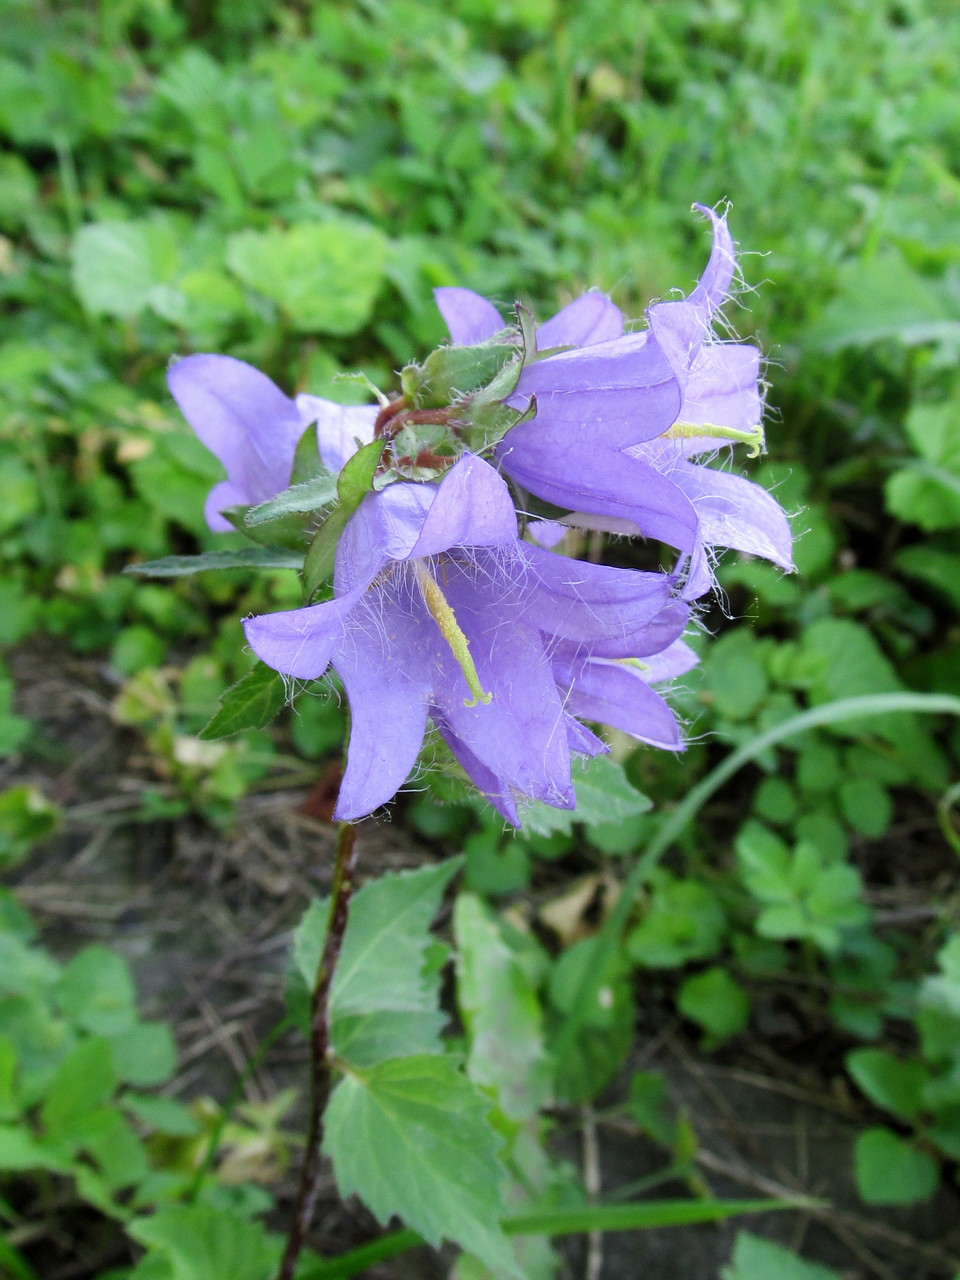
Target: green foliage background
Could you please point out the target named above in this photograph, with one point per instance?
(286, 184)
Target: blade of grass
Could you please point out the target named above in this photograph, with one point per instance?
(562, 1222)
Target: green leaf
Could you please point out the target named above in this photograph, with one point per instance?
(411, 1138)
(203, 1243)
(97, 993)
(118, 266)
(145, 1054)
(251, 703)
(353, 484)
(889, 1082)
(84, 1081)
(501, 1012)
(882, 298)
(324, 275)
(26, 816)
(716, 1002)
(451, 372)
(757, 1259)
(684, 921)
(604, 795)
(891, 1171)
(19, 1150)
(866, 805)
(241, 558)
(311, 495)
(384, 1002)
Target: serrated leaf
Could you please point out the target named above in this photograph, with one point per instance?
(251, 703)
(311, 495)
(83, 1081)
(604, 794)
(383, 1002)
(118, 265)
(411, 1138)
(353, 484)
(501, 1012)
(241, 558)
(325, 275)
(203, 1243)
(97, 993)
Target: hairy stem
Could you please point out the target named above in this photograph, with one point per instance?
(343, 873)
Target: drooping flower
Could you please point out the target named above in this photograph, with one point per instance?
(619, 416)
(441, 611)
(253, 428)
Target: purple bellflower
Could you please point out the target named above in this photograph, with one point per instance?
(621, 416)
(253, 428)
(439, 610)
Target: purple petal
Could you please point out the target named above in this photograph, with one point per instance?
(581, 740)
(737, 513)
(590, 602)
(590, 318)
(341, 428)
(723, 387)
(520, 734)
(579, 474)
(676, 660)
(301, 642)
(632, 363)
(469, 318)
(472, 508)
(242, 418)
(682, 327)
(617, 695)
(658, 634)
(386, 664)
(492, 788)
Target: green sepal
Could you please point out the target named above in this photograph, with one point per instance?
(240, 558)
(283, 531)
(308, 497)
(450, 373)
(528, 333)
(490, 422)
(307, 462)
(251, 703)
(353, 484)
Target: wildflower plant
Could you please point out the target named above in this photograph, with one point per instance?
(432, 533)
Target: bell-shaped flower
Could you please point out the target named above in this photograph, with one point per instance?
(440, 610)
(253, 428)
(619, 415)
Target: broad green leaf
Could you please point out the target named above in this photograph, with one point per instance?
(866, 805)
(251, 703)
(84, 1081)
(606, 1015)
(241, 558)
(684, 921)
(883, 298)
(97, 993)
(19, 1150)
(891, 1171)
(311, 495)
(203, 1243)
(758, 1259)
(499, 1006)
(324, 275)
(144, 1054)
(717, 1002)
(353, 484)
(889, 1082)
(118, 265)
(384, 1001)
(603, 793)
(412, 1139)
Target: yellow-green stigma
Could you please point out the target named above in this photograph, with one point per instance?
(688, 430)
(446, 620)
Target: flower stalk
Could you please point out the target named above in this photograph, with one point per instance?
(320, 1072)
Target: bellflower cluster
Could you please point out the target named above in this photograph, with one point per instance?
(427, 592)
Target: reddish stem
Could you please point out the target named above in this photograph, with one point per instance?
(320, 1076)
